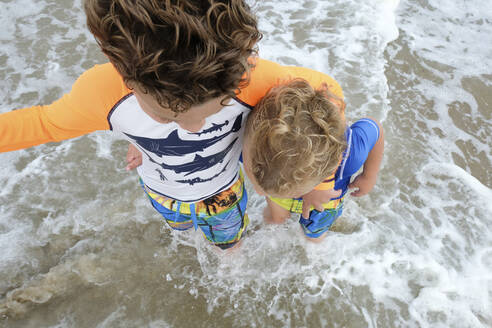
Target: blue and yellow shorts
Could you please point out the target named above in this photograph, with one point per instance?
(222, 218)
(318, 222)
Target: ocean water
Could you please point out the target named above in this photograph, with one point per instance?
(81, 247)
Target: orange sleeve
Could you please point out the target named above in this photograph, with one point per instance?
(316, 79)
(83, 110)
(267, 74)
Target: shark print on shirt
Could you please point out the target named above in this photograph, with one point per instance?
(199, 163)
(200, 180)
(215, 127)
(173, 145)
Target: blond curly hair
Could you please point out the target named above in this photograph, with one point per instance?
(296, 136)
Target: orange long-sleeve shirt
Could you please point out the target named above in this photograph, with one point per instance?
(98, 91)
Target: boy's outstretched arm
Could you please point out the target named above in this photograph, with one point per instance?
(365, 181)
(83, 110)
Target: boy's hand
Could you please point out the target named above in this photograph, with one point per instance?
(133, 157)
(316, 199)
(363, 184)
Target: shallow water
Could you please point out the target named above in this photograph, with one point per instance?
(81, 247)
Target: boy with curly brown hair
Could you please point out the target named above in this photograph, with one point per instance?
(295, 137)
(179, 86)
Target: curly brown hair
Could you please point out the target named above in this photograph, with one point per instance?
(297, 137)
(181, 52)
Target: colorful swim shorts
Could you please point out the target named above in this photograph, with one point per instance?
(222, 218)
(318, 222)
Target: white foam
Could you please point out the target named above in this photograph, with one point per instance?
(453, 34)
(481, 191)
(344, 43)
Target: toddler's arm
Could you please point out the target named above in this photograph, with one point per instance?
(316, 198)
(365, 181)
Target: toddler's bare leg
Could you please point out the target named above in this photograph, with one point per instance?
(317, 240)
(274, 213)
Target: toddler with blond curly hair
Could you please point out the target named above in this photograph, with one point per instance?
(296, 136)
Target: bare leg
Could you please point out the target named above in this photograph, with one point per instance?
(234, 248)
(317, 240)
(274, 213)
